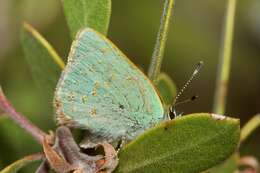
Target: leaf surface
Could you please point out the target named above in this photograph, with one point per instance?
(228, 166)
(190, 144)
(87, 13)
(44, 63)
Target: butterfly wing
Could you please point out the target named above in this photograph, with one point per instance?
(102, 91)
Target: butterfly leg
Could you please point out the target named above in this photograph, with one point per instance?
(178, 114)
(121, 143)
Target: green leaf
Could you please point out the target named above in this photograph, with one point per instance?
(87, 13)
(16, 166)
(45, 64)
(166, 88)
(190, 144)
(228, 166)
(231, 164)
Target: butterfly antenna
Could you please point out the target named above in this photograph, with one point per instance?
(191, 99)
(194, 74)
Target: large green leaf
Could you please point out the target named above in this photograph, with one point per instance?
(87, 13)
(189, 144)
(228, 166)
(231, 164)
(166, 88)
(16, 166)
(45, 64)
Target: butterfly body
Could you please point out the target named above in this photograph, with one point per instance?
(102, 91)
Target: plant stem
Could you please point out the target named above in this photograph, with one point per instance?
(249, 127)
(159, 48)
(225, 59)
(20, 119)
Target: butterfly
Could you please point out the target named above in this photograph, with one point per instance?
(102, 91)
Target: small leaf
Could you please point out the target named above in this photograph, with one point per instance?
(166, 88)
(189, 144)
(87, 13)
(228, 166)
(45, 64)
(56, 162)
(16, 166)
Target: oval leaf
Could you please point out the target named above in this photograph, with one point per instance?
(16, 166)
(87, 13)
(166, 88)
(189, 144)
(45, 64)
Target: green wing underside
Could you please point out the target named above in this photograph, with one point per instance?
(101, 90)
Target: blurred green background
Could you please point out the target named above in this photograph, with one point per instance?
(195, 35)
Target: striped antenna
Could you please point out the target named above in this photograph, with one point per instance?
(194, 74)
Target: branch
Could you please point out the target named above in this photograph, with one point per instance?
(225, 60)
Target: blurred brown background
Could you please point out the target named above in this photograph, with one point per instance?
(194, 35)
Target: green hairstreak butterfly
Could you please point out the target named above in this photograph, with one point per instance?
(102, 91)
